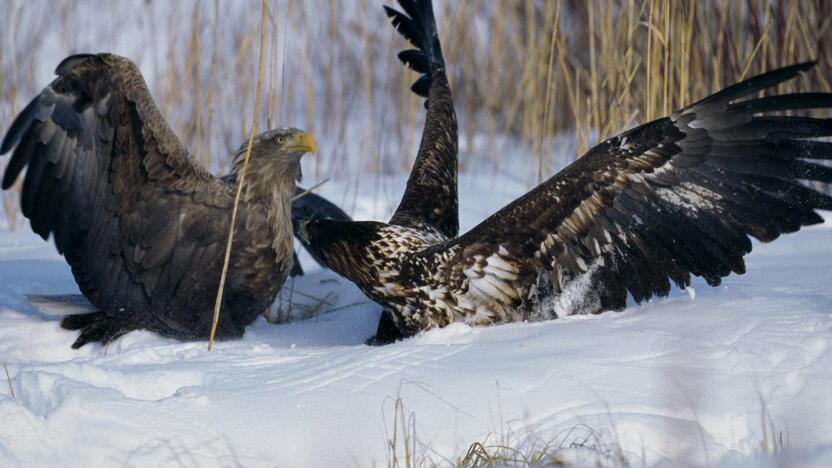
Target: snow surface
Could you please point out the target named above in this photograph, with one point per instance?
(738, 375)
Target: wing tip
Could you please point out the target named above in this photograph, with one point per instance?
(757, 83)
(20, 125)
(27, 115)
(8, 141)
(417, 23)
(791, 71)
(13, 169)
(389, 11)
(782, 74)
(807, 65)
(788, 72)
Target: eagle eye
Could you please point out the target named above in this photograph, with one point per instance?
(281, 139)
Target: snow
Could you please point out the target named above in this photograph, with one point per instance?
(735, 376)
(732, 376)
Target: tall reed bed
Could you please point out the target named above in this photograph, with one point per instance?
(522, 71)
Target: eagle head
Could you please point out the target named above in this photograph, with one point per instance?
(276, 153)
(285, 143)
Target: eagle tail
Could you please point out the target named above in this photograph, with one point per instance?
(418, 26)
(61, 304)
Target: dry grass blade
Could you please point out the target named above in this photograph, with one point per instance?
(546, 106)
(346, 306)
(310, 190)
(402, 438)
(227, 259)
(9, 380)
(616, 63)
(749, 61)
(316, 309)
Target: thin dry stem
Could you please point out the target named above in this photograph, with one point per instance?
(9, 380)
(309, 190)
(242, 180)
(616, 64)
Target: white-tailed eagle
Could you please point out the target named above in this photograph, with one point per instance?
(672, 198)
(142, 225)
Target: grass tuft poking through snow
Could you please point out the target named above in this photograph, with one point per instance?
(401, 438)
(579, 445)
(9, 381)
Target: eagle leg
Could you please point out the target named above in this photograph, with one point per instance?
(96, 327)
(296, 270)
(387, 332)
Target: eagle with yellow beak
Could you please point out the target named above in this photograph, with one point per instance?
(142, 224)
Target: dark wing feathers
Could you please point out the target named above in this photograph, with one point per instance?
(430, 197)
(750, 86)
(110, 180)
(783, 102)
(418, 26)
(674, 197)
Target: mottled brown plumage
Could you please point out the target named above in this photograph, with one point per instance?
(677, 196)
(429, 206)
(142, 225)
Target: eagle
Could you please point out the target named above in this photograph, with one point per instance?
(142, 225)
(675, 197)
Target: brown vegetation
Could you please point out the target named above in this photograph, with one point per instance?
(522, 71)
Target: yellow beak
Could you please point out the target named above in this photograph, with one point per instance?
(304, 142)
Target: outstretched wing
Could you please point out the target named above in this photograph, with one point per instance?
(430, 197)
(113, 184)
(673, 197)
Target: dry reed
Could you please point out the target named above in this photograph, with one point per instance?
(242, 179)
(9, 381)
(522, 71)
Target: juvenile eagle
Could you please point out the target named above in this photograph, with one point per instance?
(142, 225)
(677, 196)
